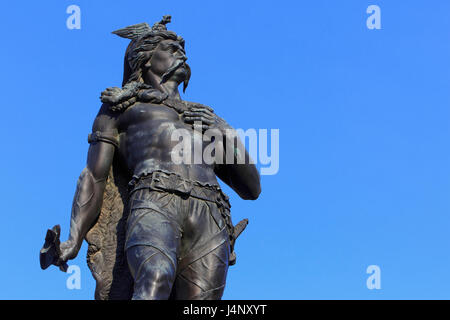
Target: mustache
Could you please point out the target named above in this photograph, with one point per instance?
(188, 76)
(171, 70)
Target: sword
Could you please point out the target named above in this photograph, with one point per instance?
(51, 251)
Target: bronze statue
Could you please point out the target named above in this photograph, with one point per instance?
(156, 229)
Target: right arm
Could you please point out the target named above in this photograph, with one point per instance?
(91, 184)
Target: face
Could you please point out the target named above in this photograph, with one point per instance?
(168, 61)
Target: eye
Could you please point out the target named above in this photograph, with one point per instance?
(165, 46)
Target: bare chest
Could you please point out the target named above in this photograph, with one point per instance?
(142, 113)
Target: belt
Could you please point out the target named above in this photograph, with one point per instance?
(172, 182)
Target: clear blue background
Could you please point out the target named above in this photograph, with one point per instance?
(364, 137)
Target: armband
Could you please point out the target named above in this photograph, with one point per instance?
(104, 137)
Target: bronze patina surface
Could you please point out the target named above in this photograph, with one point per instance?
(156, 229)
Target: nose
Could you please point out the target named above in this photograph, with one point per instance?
(180, 52)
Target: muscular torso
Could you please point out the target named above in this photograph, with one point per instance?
(146, 142)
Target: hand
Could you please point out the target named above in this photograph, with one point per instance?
(111, 95)
(69, 250)
(205, 115)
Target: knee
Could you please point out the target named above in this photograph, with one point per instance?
(153, 277)
(158, 268)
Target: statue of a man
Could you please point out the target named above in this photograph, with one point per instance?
(156, 229)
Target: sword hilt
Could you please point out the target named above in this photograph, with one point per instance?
(51, 250)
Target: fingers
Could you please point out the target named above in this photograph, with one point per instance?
(192, 119)
(204, 123)
(197, 114)
(200, 113)
(113, 89)
(201, 107)
(200, 110)
(209, 111)
(110, 95)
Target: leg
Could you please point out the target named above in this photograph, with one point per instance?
(153, 238)
(153, 273)
(204, 278)
(204, 254)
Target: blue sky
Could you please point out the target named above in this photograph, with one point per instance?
(363, 116)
